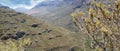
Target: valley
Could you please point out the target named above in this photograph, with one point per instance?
(48, 26)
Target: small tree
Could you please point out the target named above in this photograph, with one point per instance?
(102, 24)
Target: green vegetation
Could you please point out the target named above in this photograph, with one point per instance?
(101, 24)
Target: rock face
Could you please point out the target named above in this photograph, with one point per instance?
(57, 12)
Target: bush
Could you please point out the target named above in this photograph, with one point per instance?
(102, 24)
(12, 45)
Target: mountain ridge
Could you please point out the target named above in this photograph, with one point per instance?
(21, 9)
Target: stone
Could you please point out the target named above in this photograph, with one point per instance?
(49, 31)
(59, 36)
(14, 37)
(39, 33)
(20, 34)
(23, 20)
(6, 21)
(5, 38)
(34, 25)
(50, 38)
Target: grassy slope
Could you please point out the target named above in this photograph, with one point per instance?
(38, 42)
(58, 38)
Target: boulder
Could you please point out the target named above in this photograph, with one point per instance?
(14, 37)
(34, 25)
(5, 38)
(20, 34)
(39, 33)
(23, 20)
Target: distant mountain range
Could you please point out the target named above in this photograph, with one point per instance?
(57, 12)
(5, 7)
(21, 9)
(0, 4)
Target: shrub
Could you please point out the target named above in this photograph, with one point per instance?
(102, 24)
(12, 45)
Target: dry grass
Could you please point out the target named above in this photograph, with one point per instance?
(37, 42)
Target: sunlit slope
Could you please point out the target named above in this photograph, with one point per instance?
(17, 26)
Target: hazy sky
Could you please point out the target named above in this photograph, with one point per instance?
(20, 3)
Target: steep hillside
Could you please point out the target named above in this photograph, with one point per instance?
(57, 12)
(22, 32)
(15, 27)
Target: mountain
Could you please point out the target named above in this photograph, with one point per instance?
(21, 9)
(57, 12)
(18, 28)
(5, 7)
(0, 4)
(22, 32)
